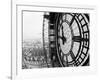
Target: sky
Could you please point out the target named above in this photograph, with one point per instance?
(32, 25)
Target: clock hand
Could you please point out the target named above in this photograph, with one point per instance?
(63, 37)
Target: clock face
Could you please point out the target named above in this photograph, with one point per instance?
(72, 39)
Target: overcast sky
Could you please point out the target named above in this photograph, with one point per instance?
(32, 25)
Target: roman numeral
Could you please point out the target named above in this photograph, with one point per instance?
(72, 55)
(79, 39)
(72, 20)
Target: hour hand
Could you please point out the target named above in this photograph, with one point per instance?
(63, 39)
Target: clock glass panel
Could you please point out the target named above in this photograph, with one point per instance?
(72, 37)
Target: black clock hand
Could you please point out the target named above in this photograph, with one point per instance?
(63, 37)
